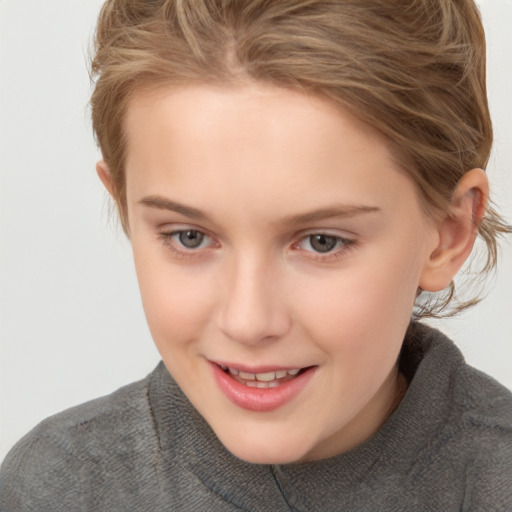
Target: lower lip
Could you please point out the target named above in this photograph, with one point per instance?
(258, 399)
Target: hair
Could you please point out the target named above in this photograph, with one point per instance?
(412, 69)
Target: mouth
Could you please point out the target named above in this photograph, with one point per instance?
(263, 380)
(263, 389)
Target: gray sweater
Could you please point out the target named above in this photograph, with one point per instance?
(448, 446)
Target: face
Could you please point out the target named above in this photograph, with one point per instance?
(279, 251)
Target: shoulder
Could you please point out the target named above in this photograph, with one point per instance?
(79, 448)
(484, 408)
(475, 435)
(476, 401)
(486, 404)
(437, 361)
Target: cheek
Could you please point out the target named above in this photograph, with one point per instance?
(177, 303)
(363, 310)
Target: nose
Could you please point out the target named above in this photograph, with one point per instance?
(253, 308)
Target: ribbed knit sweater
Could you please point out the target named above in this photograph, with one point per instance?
(447, 447)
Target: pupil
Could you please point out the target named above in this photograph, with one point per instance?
(323, 243)
(191, 239)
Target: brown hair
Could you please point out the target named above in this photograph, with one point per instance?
(412, 69)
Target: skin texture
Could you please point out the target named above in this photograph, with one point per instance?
(243, 166)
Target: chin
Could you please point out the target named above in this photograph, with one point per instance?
(255, 452)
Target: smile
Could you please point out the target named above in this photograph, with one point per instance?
(262, 380)
(261, 391)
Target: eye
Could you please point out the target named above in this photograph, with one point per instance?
(191, 239)
(187, 242)
(322, 243)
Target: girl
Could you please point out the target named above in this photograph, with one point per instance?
(300, 182)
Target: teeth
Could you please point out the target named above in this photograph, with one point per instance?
(247, 376)
(261, 385)
(266, 377)
(262, 377)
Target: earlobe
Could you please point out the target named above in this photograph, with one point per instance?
(457, 231)
(104, 174)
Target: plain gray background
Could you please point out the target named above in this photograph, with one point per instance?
(71, 322)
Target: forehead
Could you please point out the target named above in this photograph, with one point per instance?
(255, 143)
(265, 109)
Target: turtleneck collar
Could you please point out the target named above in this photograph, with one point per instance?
(428, 360)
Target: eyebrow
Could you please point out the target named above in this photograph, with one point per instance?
(341, 211)
(336, 211)
(162, 203)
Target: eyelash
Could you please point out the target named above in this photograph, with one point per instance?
(168, 238)
(342, 245)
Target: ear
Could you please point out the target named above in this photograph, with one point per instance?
(457, 231)
(104, 174)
